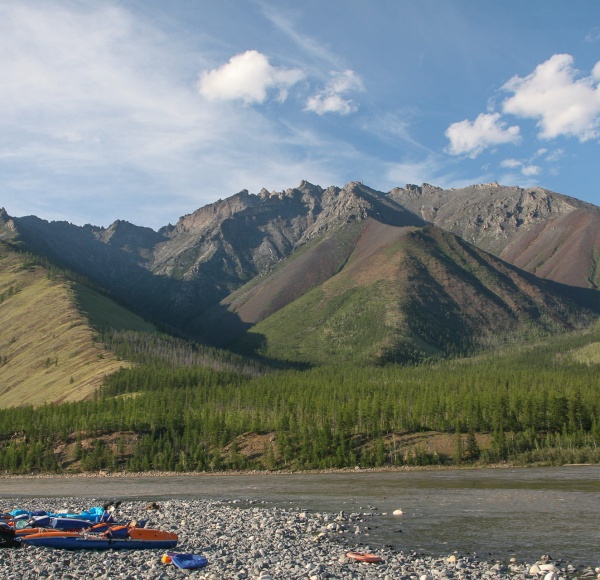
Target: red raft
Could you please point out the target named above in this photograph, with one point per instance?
(362, 557)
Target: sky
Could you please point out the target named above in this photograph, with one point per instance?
(146, 110)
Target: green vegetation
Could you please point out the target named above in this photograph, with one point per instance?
(409, 296)
(347, 326)
(155, 402)
(535, 404)
(103, 313)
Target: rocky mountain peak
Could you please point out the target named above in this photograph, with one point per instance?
(215, 212)
(5, 219)
(7, 225)
(126, 235)
(413, 191)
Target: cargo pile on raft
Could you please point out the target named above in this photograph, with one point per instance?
(92, 529)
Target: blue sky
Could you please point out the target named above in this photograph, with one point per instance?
(147, 110)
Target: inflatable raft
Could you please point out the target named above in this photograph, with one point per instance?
(363, 557)
(115, 538)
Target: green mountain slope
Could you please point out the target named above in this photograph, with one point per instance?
(47, 347)
(408, 293)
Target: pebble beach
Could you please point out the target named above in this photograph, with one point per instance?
(242, 540)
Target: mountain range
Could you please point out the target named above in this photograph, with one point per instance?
(349, 274)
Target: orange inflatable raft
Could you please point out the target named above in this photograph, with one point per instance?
(362, 557)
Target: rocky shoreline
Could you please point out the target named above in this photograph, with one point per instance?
(248, 540)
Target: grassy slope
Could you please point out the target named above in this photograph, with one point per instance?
(407, 293)
(354, 316)
(47, 349)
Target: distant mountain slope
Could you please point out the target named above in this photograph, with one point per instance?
(548, 234)
(406, 293)
(47, 347)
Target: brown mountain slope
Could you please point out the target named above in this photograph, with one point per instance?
(47, 347)
(408, 292)
(551, 235)
(305, 269)
(565, 249)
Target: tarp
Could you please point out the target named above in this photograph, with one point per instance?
(94, 514)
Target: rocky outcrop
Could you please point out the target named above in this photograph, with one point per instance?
(7, 225)
(487, 215)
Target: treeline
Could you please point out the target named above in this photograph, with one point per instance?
(533, 405)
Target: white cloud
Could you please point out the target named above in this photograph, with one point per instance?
(562, 104)
(511, 163)
(531, 170)
(308, 45)
(471, 138)
(555, 155)
(524, 167)
(331, 99)
(247, 77)
(90, 82)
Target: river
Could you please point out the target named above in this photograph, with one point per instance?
(492, 513)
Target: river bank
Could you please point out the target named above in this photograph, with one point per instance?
(395, 469)
(487, 514)
(248, 540)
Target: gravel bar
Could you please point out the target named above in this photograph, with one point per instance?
(249, 540)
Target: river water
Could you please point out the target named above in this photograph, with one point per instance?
(492, 513)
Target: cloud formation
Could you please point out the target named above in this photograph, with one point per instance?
(471, 138)
(87, 85)
(523, 167)
(562, 104)
(332, 99)
(247, 77)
